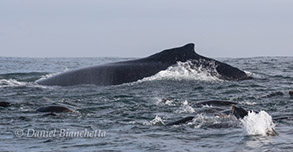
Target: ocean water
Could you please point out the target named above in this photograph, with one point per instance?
(131, 117)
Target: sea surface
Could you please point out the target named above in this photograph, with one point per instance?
(132, 116)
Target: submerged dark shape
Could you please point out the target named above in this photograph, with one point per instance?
(50, 114)
(274, 94)
(291, 93)
(54, 109)
(4, 104)
(283, 117)
(217, 103)
(238, 112)
(133, 70)
(181, 121)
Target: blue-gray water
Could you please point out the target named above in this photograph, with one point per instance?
(131, 116)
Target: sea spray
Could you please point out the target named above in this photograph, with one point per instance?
(258, 124)
(156, 121)
(163, 101)
(187, 71)
(49, 75)
(11, 83)
(208, 121)
(186, 108)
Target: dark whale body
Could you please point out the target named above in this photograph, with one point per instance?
(54, 109)
(216, 103)
(130, 71)
(4, 104)
(238, 112)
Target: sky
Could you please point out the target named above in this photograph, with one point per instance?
(136, 28)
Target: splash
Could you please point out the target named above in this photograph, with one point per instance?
(204, 121)
(258, 124)
(49, 75)
(53, 74)
(163, 101)
(156, 121)
(190, 70)
(185, 108)
(11, 83)
(250, 74)
(254, 75)
(248, 103)
(4, 83)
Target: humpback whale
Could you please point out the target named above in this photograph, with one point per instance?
(238, 112)
(133, 70)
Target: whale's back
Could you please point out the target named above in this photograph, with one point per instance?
(133, 70)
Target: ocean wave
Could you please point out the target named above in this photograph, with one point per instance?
(187, 71)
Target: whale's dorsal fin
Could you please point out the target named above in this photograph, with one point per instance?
(174, 55)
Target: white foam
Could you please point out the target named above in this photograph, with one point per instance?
(14, 83)
(169, 102)
(156, 121)
(248, 73)
(163, 101)
(48, 75)
(187, 71)
(258, 124)
(254, 75)
(185, 108)
(202, 120)
(11, 83)
(248, 103)
(207, 106)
